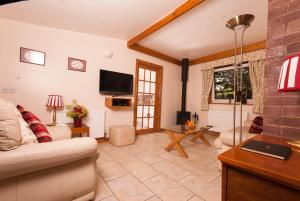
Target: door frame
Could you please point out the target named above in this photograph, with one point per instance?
(158, 94)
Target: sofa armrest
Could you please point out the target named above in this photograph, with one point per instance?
(34, 157)
(59, 132)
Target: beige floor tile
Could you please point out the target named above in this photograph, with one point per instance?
(214, 166)
(195, 167)
(196, 198)
(154, 198)
(148, 157)
(128, 188)
(167, 190)
(111, 198)
(141, 170)
(111, 170)
(103, 157)
(109, 149)
(102, 190)
(201, 187)
(124, 158)
(172, 171)
(218, 181)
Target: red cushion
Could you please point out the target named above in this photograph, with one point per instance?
(35, 124)
(257, 125)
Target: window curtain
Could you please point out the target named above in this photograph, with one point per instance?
(256, 73)
(207, 79)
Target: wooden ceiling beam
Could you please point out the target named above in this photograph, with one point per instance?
(182, 9)
(154, 53)
(229, 53)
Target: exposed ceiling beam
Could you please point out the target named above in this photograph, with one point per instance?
(229, 53)
(182, 9)
(154, 53)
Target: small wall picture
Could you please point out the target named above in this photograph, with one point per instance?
(32, 56)
(76, 64)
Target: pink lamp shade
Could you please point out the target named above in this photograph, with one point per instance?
(55, 101)
(289, 79)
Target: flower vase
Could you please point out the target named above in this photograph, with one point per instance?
(77, 123)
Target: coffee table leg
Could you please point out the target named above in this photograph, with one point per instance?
(176, 143)
(200, 135)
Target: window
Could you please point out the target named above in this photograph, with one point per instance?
(223, 85)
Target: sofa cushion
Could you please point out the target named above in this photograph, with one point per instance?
(10, 131)
(257, 125)
(35, 124)
(27, 135)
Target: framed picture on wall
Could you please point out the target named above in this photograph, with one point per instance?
(32, 56)
(76, 64)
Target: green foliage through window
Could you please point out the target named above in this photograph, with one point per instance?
(224, 84)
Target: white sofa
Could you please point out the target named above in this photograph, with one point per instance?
(64, 169)
(225, 141)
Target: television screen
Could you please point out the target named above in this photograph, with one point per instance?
(115, 83)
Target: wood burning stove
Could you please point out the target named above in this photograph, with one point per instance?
(183, 116)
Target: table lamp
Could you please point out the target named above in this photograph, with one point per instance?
(54, 102)
(289, 80)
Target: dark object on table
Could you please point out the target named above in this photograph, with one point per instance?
(268, 149)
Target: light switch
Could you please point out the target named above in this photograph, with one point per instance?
(8, 90)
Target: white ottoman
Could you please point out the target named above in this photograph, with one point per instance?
(121, 135)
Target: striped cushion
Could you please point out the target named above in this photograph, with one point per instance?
(35, 124)
(257, 125)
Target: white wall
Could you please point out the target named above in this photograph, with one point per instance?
(34, 83)
(194, 91)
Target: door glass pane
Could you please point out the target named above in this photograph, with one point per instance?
(140, 99)
(147, 87)
(152, 88)
(151, 122)
(147, 75)
(145, 123)
(152, 99)
(141, 86)
(147, 99)
(139, 111)
(151, 111)
(153, 76)
(146, 111)
(139, 123)
(141, 74)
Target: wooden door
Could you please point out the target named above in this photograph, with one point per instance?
(148, 95)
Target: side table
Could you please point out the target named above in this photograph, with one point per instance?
(79, 130)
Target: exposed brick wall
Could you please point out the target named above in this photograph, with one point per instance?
(281, 110)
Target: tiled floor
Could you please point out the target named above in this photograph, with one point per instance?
(145, 171)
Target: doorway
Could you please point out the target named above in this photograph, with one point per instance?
(148, 96)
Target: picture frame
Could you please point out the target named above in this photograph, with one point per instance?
(76, 64)
(32, 56)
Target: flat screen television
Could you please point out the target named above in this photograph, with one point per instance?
(114, 83)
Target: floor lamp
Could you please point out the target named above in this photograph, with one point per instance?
(238, 24)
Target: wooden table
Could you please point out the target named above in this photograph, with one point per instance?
(178, 133)
(79, 130)
(248, 176)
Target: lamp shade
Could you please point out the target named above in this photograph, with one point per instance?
(55, 101)
(289, 79)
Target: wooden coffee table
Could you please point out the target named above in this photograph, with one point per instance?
(179, 132)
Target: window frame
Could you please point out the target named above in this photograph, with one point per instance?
(226, 101)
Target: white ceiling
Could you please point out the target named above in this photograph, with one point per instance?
(199, 32)
(120, 19)
(202, 31)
